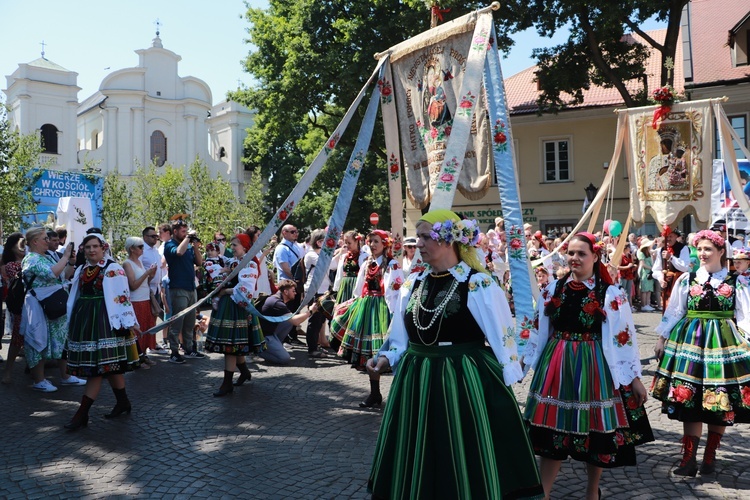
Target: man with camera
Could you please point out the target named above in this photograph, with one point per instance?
(182, 253)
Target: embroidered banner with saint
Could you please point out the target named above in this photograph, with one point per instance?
(672, 163)
(427, 81)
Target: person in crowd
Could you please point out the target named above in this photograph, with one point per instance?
(276, 305)
(627, 270)
(410, 250)
(361, 324)
(165, 234)
(286, 254)
(349, 266)
(139, 277)
(585, 351)
(704, 368)
(450, 398)
(317, 321)
(102, 323)
(741, 262)
(152, 257)
(215, 269)
(266, 282)
(670, 263)
(44, 339)
(232, 331)
(182, 253)
(62, 238)
(13, 254)
(542, 277)
(52, 244)
(225, 250)
(645, 263)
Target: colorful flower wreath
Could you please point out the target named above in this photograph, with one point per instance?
(712, 236)
(464, 232)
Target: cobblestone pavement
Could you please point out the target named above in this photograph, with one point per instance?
(292, 432)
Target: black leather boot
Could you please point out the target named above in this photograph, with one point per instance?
(226, 386)
(374, 398)
(245, 374)
(122, 405)
(81, 418)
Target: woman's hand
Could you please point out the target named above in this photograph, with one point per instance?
(379, 366)
(639, 391)
(659, 348)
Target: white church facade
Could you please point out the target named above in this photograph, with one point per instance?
(140, 114)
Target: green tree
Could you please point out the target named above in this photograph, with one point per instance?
(598, 50)
(311, 59)
(158, 195)
(118, 215)
(19, 157)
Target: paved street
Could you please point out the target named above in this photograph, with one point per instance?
(292, 432)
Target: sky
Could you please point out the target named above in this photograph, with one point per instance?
(95, 38)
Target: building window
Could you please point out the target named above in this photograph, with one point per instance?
(95, 139)
(739, 124)
(49, 139)
(158, 148)
(556, 160)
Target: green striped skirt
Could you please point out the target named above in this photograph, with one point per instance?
(93, 348)
(232, 330)
(452, 429)
(704, 375)
(361, 325)
(346, 289)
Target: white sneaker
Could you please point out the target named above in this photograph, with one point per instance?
(44, 386)
(647, 309)
(72, 380)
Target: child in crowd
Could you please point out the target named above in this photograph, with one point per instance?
(214, 270)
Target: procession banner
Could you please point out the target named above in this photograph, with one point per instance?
(393, 152)
(672, 164)
(437, 83)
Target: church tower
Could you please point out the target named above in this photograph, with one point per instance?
(43, 98)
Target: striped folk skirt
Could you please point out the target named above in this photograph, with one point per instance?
(93, 347)
(232, 330)
(452, 429)
(346, 289)
(705, 373)
(574, 409)
(361, 325)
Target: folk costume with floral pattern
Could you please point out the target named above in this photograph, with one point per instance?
(585, 358)
(450, 398)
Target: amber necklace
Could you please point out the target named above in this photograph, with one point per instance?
(90, 273)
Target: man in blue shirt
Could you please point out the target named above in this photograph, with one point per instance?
(182, 253)
(287, 253)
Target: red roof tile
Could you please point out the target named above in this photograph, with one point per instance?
(710, 22)
(522, 90)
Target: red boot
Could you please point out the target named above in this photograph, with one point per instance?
(689, 465)
(709, 457)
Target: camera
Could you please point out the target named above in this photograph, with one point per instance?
(192, 237)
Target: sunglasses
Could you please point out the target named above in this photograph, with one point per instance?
(139, 246)
(151, 235)
(292, 231)
(221, 240)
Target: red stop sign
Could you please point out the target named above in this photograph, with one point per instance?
(374, 218)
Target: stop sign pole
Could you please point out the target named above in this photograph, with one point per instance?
(374, 219)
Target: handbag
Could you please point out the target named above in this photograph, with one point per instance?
(55, 305)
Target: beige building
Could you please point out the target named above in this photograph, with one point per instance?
(558, 156)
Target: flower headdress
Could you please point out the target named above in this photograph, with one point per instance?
(463, 232)
(715, 238)
(742, 253)
(447, 226)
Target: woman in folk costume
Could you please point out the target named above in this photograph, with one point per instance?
(586, 398)
(451, 428)
(361, 324)
(349, 266)
(100, 343)
(704, 372)
(232, 331)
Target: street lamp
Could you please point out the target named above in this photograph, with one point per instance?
(590, 192)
